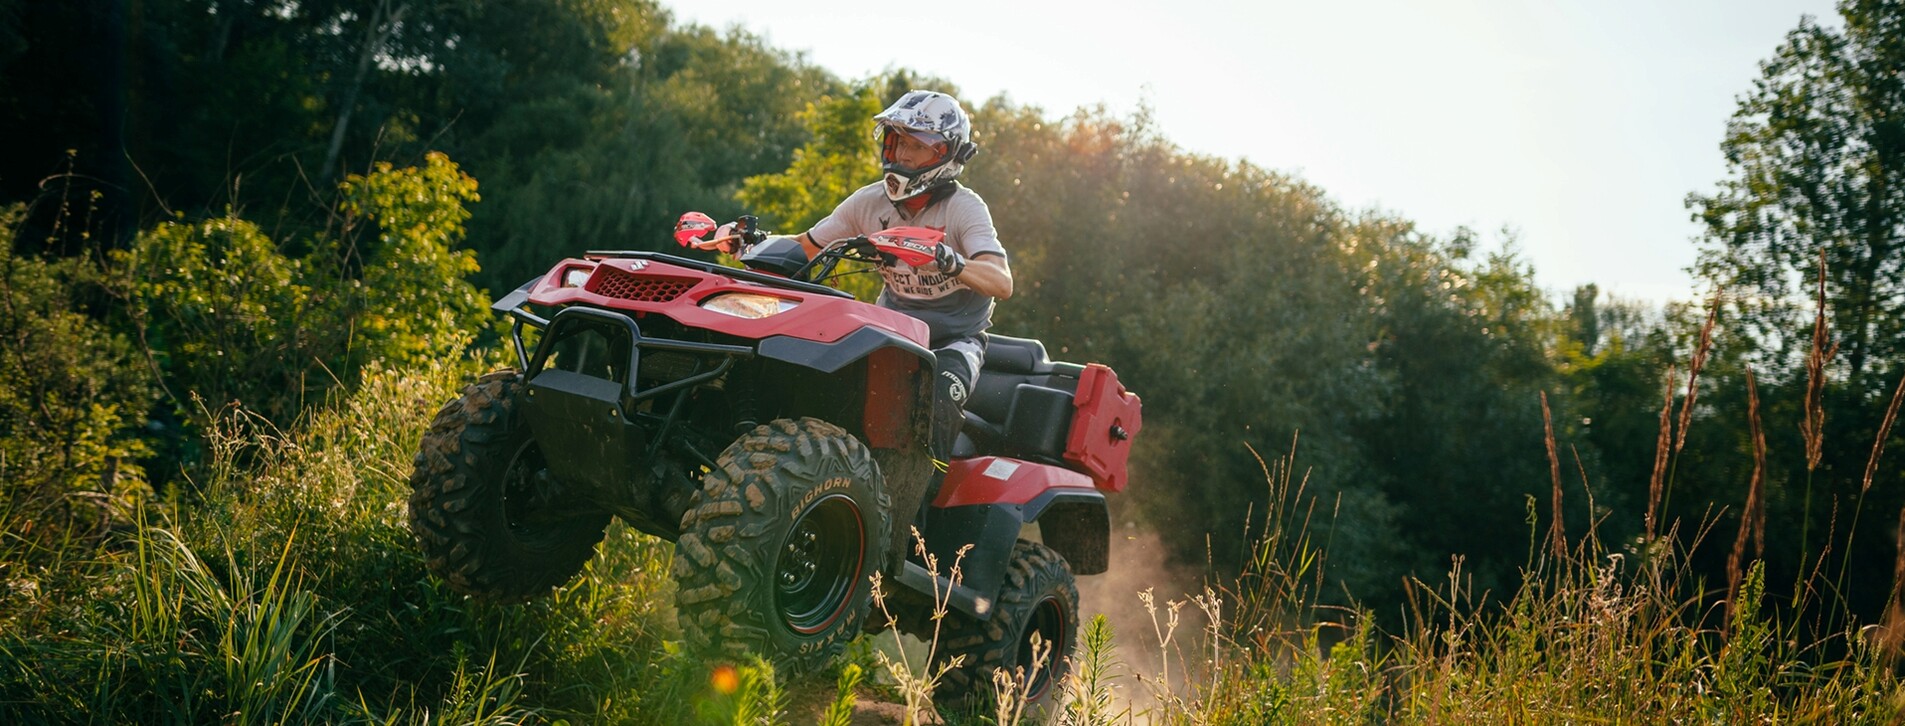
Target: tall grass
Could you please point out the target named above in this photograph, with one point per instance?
(1592, 633)
(1592, 636)
(284, 587)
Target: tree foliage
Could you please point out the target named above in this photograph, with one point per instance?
(415, 300)
(233, 317)
(1816, 167)
(838, 158)
(1806, 234)
(282, 219)
(1248, 308)
(593, 123)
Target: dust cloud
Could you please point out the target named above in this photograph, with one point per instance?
(1139, 563)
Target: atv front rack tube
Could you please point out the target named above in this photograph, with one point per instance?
(632, 392)
(632, 388)
(512, 305)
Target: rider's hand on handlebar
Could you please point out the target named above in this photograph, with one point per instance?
(948, 260)
(694, 231)
(724, 239)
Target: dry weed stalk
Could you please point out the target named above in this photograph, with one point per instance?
(916, 688)
(1753, 516)
(1213, 607)
(1014, 688)
(1693, 371)
(1660, 458)
(1557, 538)
(1591, 541)
(1813, 426)
(1885, 431)
(1166, 631)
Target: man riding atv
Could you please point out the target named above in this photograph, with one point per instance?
(785, 434)
(925, 142)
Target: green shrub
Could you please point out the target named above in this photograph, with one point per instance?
(234, 317)
(71, 392)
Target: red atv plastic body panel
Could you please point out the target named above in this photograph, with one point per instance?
(1107, 419)
(889, 402)
(650, 286)
(1002, 480)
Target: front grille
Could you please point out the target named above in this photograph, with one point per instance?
(611, 282)
(664, 367)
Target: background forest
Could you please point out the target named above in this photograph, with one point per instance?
(230, 223)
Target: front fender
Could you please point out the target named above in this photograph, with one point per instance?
(897, 375)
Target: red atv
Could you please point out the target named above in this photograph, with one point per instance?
(775, 429)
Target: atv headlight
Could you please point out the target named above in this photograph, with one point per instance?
(748, 305)
(575, 276)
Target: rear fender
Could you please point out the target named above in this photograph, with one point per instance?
(984, 505)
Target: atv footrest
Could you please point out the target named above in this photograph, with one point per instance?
(959, 597)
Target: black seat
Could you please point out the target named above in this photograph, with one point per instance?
(1012, 366)
(1007, 354)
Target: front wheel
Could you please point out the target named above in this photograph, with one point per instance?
(1039, 601)
(490, 518)
(777, 548)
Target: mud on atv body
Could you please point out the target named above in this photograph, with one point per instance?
(773, 428)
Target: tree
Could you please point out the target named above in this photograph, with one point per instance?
(232, 316)
(1816, 163)
(839, 158)
(1815, 186)
(607, 156)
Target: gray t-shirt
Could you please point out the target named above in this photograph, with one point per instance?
(949, 308)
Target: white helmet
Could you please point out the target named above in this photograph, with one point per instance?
(934, 119)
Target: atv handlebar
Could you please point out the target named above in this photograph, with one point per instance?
(914, 246)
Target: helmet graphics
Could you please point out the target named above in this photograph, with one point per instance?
(927, 119)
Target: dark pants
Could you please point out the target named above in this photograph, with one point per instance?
(956, 370)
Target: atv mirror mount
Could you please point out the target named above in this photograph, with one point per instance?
(748, 228)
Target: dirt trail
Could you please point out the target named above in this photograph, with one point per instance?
(806, 705)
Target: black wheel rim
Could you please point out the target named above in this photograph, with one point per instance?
(528, 507)
(1047, 621)
(819, 562)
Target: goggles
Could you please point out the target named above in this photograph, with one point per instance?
(890, 140)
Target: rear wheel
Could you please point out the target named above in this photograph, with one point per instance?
(778, 546)
(490, 518)
(1039, 598)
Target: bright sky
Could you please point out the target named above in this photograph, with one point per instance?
(1583, 125)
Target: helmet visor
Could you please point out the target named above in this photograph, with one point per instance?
(911, 148)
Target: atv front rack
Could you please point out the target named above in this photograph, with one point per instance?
(638, 342)
(513, 303)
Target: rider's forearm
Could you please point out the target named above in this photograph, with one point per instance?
(988, 276)
(807, 244)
